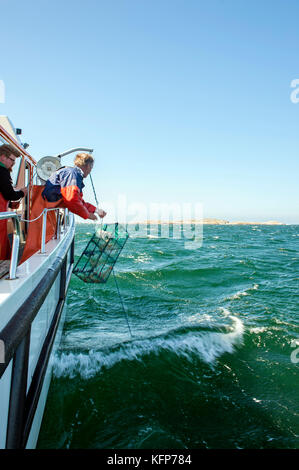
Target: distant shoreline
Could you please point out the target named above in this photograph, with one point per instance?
(205, 222)
(191, 222)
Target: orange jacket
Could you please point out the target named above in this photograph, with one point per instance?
(67, 183)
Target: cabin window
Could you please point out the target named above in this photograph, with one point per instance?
(15, 171)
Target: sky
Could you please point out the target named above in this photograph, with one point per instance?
(183, 101)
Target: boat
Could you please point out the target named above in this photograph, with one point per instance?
(33, 291)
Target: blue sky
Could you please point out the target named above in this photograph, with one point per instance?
(183, 101)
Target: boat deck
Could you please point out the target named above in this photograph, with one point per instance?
(4, 267)
(5, 264)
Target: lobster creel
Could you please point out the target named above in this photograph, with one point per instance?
(100, 254)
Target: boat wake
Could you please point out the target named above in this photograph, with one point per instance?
(206, 344)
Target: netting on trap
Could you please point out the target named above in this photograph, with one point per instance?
(100, 254)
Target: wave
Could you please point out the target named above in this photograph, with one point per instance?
(240, 294)
(184, 342)
(172, 270)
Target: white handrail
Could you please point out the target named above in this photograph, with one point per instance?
(15, 243)
(17, 235)
(44, 229)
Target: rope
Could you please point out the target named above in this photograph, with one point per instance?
(94, 191)
(121, 300)
(97, 202)
(32, 220)
(116, 283)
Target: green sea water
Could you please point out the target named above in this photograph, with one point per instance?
(213, 361)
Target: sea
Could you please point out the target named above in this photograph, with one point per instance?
(193, 347)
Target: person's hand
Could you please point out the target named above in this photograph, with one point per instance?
(25, 190)
(92, 216)
(14, 204)
(100, 212)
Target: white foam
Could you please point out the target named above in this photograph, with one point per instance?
(200, 318)
(225, 312)
(240, 294)
(208, 346)
(258, 329)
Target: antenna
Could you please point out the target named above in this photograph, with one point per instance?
(77, 149)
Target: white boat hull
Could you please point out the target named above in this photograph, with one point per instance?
(29, 352)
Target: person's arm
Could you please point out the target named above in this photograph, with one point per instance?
(73, 201)
(89, 207)
(7, 189)
(70, 186)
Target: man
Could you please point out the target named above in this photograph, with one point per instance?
(66, 184)
(8, 156)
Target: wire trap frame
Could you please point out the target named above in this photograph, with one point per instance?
(100, 254)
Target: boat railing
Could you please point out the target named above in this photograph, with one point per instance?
(63, 222)
(61, 217)
(15, 241)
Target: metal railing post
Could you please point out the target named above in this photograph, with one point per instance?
(44, 231)
(66, 219)
(58, 225)
(15, 248)
(44, 228)
(16, 242)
